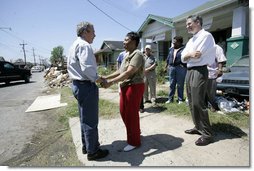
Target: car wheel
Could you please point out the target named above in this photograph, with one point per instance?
(27, 79)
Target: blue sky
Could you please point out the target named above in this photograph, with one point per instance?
(45, 24)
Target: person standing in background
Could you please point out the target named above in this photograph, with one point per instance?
(177, 70)
(215, 71)
(198, 53)
(150, 75)
(120, 59)
(222, 44)
(82, 69)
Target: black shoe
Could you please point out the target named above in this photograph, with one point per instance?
(84, 150)
(192, 131)
(202, 141)
(99, 154)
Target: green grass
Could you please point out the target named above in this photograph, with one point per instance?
(232, 123)
(162, 93)
(106, 109)
(227, 123)
(177, 109)
(237, 118)
(71, 110)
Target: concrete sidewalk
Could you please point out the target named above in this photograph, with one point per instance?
(164, 143)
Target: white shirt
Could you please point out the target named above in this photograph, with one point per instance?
(202, 41)
(219, 57)
(81, 64)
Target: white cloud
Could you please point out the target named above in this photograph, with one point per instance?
(139, 3)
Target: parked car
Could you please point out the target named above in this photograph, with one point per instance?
(9, 72)
(236, 80)
(36, 69)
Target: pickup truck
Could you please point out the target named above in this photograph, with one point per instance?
(9, 72)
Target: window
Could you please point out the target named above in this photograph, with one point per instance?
(8, 66)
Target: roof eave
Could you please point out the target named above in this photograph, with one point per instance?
(149, 17)
(205, 10)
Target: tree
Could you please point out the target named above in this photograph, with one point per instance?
(2, 58)
(57, 56)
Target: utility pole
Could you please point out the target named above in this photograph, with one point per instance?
(34, 57)
(23, 48)
(40, 59)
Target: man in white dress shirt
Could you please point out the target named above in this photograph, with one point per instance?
(198, 53)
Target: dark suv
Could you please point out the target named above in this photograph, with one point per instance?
(9, 72)
(236, 81)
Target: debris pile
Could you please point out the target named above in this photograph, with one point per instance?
(55, 78)
(230, 104)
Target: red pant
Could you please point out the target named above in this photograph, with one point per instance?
(130, 98)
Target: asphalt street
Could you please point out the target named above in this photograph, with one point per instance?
(16, 126)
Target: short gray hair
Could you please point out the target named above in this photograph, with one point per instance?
(83, 26)
(196, 18)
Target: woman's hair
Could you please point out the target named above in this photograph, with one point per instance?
(134, 36)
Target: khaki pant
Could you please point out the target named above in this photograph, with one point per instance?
(150, 83)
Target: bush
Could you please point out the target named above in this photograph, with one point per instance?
(160, 71)
(102, 70)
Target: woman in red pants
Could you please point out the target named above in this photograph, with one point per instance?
(131, 78)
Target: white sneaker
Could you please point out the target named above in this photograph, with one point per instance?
(153, 100)
(129, 148)
(169, 101)
(180, 102)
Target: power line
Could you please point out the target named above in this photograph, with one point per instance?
(19, 38)
(123, 10)
(12, 48)
(108, 15)
(12, 35)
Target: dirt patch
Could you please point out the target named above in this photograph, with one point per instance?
(51, 146)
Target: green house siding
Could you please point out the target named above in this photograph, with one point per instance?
(236, 48)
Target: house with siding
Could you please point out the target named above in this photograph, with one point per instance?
(227, 20)
(109, 51)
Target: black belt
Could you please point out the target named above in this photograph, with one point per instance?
(197, 67)
(181, 65)
(83, 81)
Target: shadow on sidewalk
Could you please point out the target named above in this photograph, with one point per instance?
(227, 131)
(155, 109)
(150, 145)
(161, 100)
